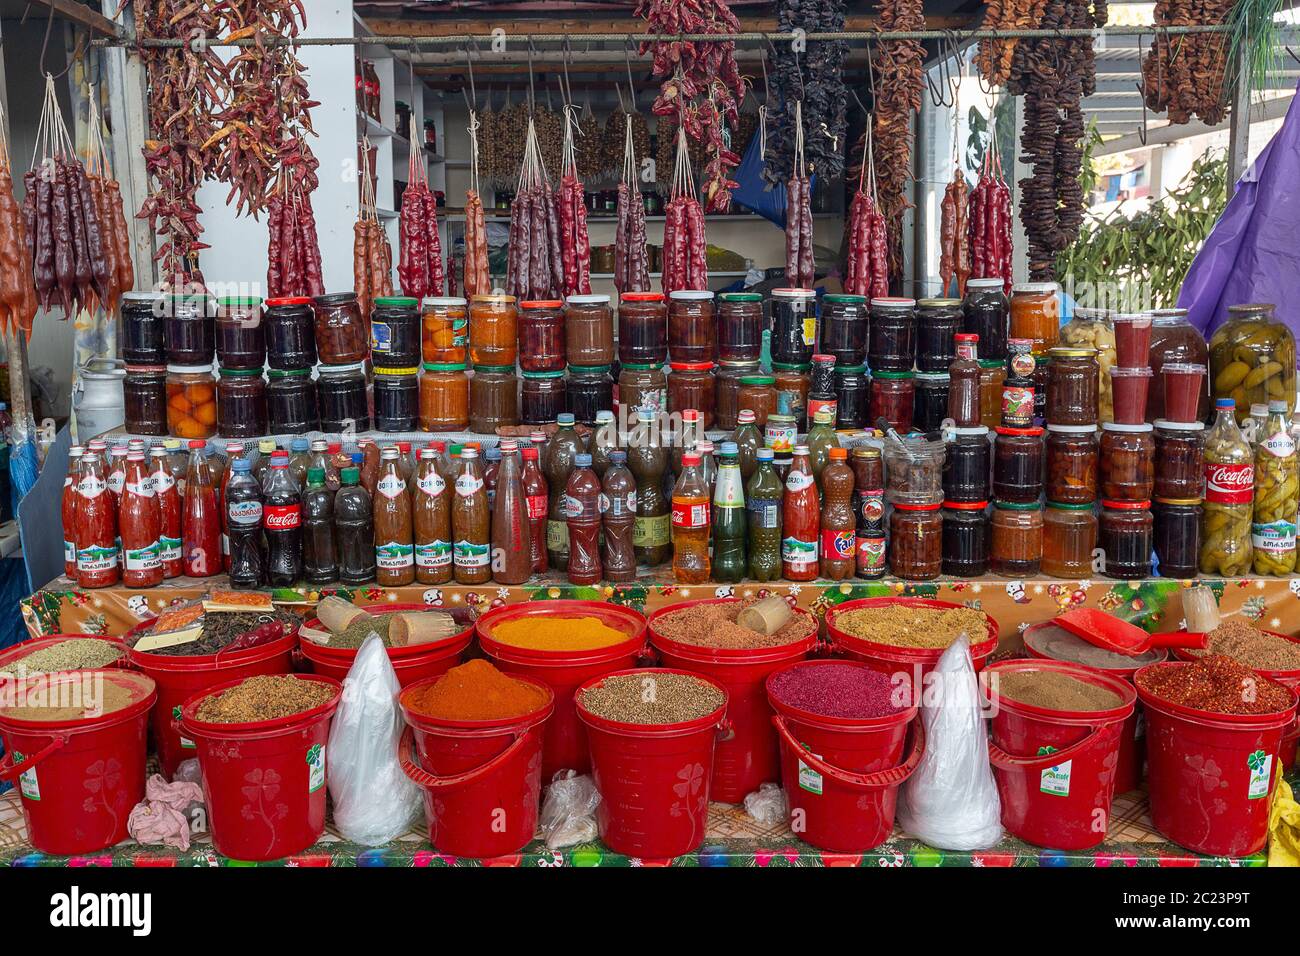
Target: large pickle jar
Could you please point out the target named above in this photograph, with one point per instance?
(1094, 329)
(1252, 359)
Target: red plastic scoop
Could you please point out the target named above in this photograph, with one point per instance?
(1107, 631)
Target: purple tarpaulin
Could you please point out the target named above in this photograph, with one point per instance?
(1253, 252)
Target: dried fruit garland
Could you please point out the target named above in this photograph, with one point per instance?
(867, 268)
(954, 234)
(419, 263)
(816, 78)
(989, 228)
(112, 218)
(477, 281)
(372, 257)
(799, 268)
(685, 251)
(702, 86)
(534, 256)
(575, 243)
(631, 257)
(17, 291)
(1185, 75)
(993, 58)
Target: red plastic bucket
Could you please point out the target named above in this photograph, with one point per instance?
(564, 742)
(79, 779)
(1210, 776)
(653, 779)
(1132, 741)
(751, 755)
(482, 779)
(411, 663)
(890, 659)
(33, 644)
(841, 775)
(1060, 797)
(264, 781)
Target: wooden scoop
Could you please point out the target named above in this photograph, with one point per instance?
(421, 627)
(766, 616)
(336, 613)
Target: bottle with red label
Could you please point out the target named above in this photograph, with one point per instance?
(582, 510)
(138, 525)
(169, 512)
(201, 521)
(95, 522)
(512, 551)
(1229, 496)
(244, 519)
(800, 520)
(282, 525)
(838, 522)
(690, 524)
(537, 499)
(68, 511)
(431, 520)
(394, 538)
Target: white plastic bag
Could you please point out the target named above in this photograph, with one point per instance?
(951, 801)
(767, 805)
(569, 810)
(374, 801)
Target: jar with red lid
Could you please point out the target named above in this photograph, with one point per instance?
(893, 398)
(1126, 539)
(965, 538)
(1072, 383)
(543, 397)
(692, 326)
(1069, 538)
(758, 394)
(1017, 539)
(915, 542)
(1127, 462)
(290, 332)
(541, 336)
(144, 399)
(589, 330)
(1072, 463)
(726, 387)
(1018, 465)
(341, 337)
(241, 403)
(690, 385)
(643, 328)
(1180, 460)
(740, 326)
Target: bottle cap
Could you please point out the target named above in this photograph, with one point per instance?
(357, 457)
(195, 443)
(1277, 406)
(582, 460)
(390, 453)
(316, 476)
(300, 444)
(468, 453)
(839, 454)
(350, 476)
(746, 417)
(617, 457)
(1224, 403)
(604, 416)
(427, 453)
(241, 465)
(729, 448)
(766, 454)
(266, 446)
(508, 446)
(690, 459)
(493, 453)
(564, 419)
(318, 444)
(530, 453)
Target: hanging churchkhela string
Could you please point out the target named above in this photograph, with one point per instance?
(631, 258)
(954, 231)
(419, 265)
(17, 293)
(372, 257)
(685, 252)
(476, 278)
(799, 269)
(867, 272)
(989, 218)
(574, 240)
(107, 196)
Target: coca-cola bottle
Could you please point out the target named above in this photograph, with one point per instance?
(1229, 496)
(282, 522)
(244, 516)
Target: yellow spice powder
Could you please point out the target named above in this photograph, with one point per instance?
(558, 633)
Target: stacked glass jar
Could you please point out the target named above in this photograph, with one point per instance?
(1179, 440)
(444, 344)
(292, 407)
(241, 354)
(343, 346)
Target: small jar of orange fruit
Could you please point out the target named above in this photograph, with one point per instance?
(191, 401)
(444, 329)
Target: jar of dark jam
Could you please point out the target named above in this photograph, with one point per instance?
(844, 328)
(692, 326)
(986, 312)
(792, 382)
(965, 538)
(643, 328)
(915, 542)
(591, 390)
(794, 326)
(758, 394)
(241, 403)
(395, 332)
(1018, 464)
(397, 399)
(341, 392)
(1177, 523)
(1127, 456)
(541, 336)
(241, 337)
(543, 396)
(290, 332)
(341, 337)
(493, 398)
(931, 408)
(966, 465)
(726, 390)
(1042, 369)
(291, 407)
(642, 386)
(740, 326)
(1180, 460)
(937, 321)
(1072, 382)
(1016, 549)
(143, 338)
(852, 396)
(144, 399)
(1072, 464)
(190, 329)
(892, 342)
(893, 398)
(1126, 536)
(821, 387)
(690, 385)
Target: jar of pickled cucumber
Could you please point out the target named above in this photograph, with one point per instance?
(1252, 359)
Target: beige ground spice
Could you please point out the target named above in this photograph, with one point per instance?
(1247, 644)
(1053, 690)
(264, 698)
(714, 625)
(901, 625)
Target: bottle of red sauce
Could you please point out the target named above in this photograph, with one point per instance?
(138, 522)
(169, 512)
(69, 511)
(537, 498)
(201, 522)
(800, 520)
(95, 521)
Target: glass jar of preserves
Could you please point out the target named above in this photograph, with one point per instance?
(341, 337)
(444, 329)
(189, 328)
(1095, 329)
(821, 387)
(191, 401)
(1177, 524)
(993, 375)
(853, 397)
(892, 340)
(144, 342)
(1036, 314)
(1126, 529)
(397, 399)
(542, 345)
(493, 398)
(1018, 464)
(1042, 371)
(987, 313)
(844, 328)
(1072, 464)
(1017, 539)
(893, 398)
(792, 383)
(241, 337)
(1180, 460)
(1069, 538)
(395, 332)
(494, 330)
(144, 399)
(444, 397)
(915, 542)
(914, 473)
(1127, 462)
(794, 326)
(291, 407)
(642, 386)
(341, 394)
(1072, 382)
(589, 330)
(1174, 341)
(726, 388)
(965, 538)
(591, 390)
(937, 321)
(290, 332)
(1252, 359)
(690, 385)
(931, 406)
(543, 396)
(241, 403)
(740, 327)
(692, 326)
(758, 394)
(643, 328)
(966, 465)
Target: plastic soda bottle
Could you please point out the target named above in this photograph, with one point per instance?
(838, 522)
(1229, 496)
(729, 517)
(582, 508)
(243, 513)
(763, 510)
(800, 520)
(690, 522)
(619, 490)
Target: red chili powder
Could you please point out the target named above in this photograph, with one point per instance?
(839, 690)
(1217, 684)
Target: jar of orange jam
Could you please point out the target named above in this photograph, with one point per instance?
(444, 329)
(444, 397)
(191, 401)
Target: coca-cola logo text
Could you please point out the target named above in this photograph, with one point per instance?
(281, 517)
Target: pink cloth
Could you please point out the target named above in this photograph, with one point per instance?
(160, 817)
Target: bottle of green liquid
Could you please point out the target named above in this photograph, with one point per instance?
(729, 517)
(821, 439)
(763, 510)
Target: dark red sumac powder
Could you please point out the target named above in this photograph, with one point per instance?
(838, 690)
(1217, 684)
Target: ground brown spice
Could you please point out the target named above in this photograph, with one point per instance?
(113, 697)
(1052, 690)
(264, 698)
(1247, 644)
(900, 625)
(714, 625)
(652, 697)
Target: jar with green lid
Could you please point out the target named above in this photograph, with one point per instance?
(758, 394)
(893, 398)
(844, 328)
(937, 321)
(397, 398)
(241, 403)
(931, 405)
(493, 398)
(642, 385)
(241, 337)
(1069, 539)
(543, 396)
(792, 382)
(852, 396)
(444, 397)
(690, 385)
(740, 327)
(1017, 539)
(591, 390)
(395, 332)
(291, 407)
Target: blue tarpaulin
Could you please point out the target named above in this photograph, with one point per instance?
(755, 193)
